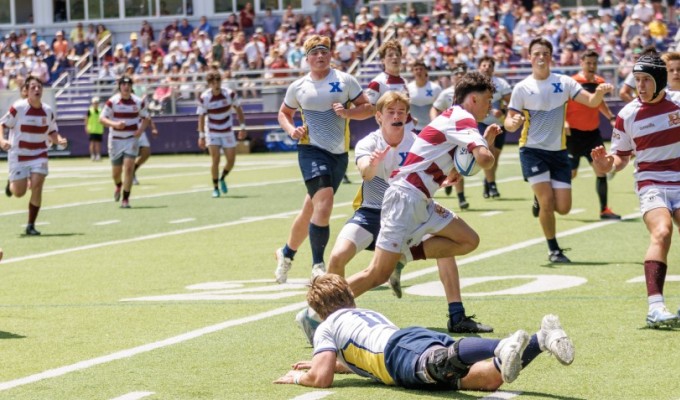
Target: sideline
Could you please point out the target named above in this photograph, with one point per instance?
(278, 311)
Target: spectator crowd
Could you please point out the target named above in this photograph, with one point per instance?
(454, 33)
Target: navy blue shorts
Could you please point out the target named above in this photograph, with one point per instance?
(537, 161)
(369, 219)
(315, 162)
(580, 143)
(499, 142)
(405, 348)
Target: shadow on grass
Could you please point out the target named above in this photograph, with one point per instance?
(233, 196)
(133, 207)
(10, 335)
(593, 220)
(23, 235)
(575, 263)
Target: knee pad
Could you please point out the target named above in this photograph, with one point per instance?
(317, 183)
(445, 367)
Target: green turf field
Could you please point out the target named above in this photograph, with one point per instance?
(175, 298)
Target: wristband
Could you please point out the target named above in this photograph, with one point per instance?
(296, 378)
(201, 135)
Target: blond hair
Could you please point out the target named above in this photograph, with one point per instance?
(670, 56)
(329, 293)
(390, 98)
(317, 40)
(392, 44)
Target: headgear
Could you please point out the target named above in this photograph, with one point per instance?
(654, 66)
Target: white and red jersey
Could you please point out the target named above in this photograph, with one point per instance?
(431, 157)
(382, 84)
(130, 110)
(219, 109)
(30, 128)
(651, 132)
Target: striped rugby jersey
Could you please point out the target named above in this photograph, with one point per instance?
(219, 109)
(130, 110)
(382, 84)
(651, 132)
(431, 157)
(29, 130)
(371, 193)
(358, 337)
(315, 101)
(422, 99)
(543, 103)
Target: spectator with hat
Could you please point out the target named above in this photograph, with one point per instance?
(60, 45)
(133, 43)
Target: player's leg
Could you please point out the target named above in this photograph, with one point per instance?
(660, 226)
(214, 151)
(144, 154)
(37, 182)
(116, 155)
(356, 235)
(128, 172)
(92, 149)
(18, 187)
(230, 157)
(601, 184)
(460, 192)
(378, 272)
(297, 235)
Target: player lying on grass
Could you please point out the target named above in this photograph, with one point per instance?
(366, 343)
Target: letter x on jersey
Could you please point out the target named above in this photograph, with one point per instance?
(558, 87)
(335, 87)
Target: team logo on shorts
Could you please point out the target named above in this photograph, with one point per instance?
(443, 212)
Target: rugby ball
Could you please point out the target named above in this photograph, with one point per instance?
(464, 161)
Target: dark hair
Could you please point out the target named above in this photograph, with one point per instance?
(472, 82)
(487, 59)
(419, 63)
(541, 41)
(213, 76)
(29, 79)
(589, 53)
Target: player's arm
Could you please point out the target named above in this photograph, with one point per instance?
(604, 163)
(154, 130)
(242, 123)
(320, 374)
(362, 109)
(201, 131)
(514, 120)
(483, 154)
(56, 138)
(142, 127)
(285, 118)
(110, 123)
(368, 165)
(4, 144)
(593, 100)
(626, 93)
(607, 112)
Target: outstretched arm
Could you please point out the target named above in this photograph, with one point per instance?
(320, 374)
(604, 163)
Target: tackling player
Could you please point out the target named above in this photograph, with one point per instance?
(32, 124)
(216, 104)
(367, 343)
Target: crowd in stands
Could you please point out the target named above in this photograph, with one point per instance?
(455, 32)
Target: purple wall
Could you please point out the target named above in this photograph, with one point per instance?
(177, 134)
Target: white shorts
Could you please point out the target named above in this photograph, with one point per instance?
(224, 140)
(652, 197)
(407, 217)
(143, 140)
(120, 148)
(22, 170)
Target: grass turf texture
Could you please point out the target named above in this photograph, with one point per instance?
(61, 294)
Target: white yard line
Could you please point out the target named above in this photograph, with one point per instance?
(158, 235)
(227, 324)
(53, 373)
(109, 222)
(134, 396)
(181, 221)
(576, 211)
(501, 395)
(490, 213)
(151, 196)
(315, 395)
